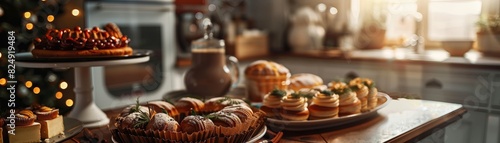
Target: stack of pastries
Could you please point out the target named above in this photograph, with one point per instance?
(307, 98)
(372, 92)
(220, 119)
(32, 124)
(348, 101)
(294, 107)
(324, 105)
(361, 90)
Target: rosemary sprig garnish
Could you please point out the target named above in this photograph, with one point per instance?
(212, 116)
(143, 120)
(169, 101)
(369, 83)
(327, 92)
(248, 102)
(223, 99)
(355, 87)
(296, 95)
(136, 108)
(234, 102)
(278, 93)
(341, 91)
(308, 95)
(192, 112)
(164, 111)
(340, 88)
(230, 101)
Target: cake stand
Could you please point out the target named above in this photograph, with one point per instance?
(84, 109)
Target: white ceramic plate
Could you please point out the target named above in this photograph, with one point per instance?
(276, 124)
(258, 135)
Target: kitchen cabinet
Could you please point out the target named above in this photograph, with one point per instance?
(458, 85)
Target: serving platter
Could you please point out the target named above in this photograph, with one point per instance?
(28, 57)
(277, 124)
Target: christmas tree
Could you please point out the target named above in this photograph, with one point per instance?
(26, 20)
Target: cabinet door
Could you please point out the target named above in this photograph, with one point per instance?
(452, 84)
(406, 80)
(491, 85)
(470, 129)
(493, 129)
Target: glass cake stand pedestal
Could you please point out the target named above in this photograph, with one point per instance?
(84, 108)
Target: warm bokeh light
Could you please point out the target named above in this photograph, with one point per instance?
(3, 81)
(50, 18)
(29, 26)
(333, 10)
(321, 7)
(36, 90)
(75, 12)
(52, 77)
(63, 85)
(59, 95)
(69, 102)
(27, 14)
(1, 12)
(212, 7)
(28, 84)
(0, 55)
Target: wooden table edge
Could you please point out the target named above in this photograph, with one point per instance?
(430, 127)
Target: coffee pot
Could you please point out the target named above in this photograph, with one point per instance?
(209, 75)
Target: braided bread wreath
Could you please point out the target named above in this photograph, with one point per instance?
(82, 43)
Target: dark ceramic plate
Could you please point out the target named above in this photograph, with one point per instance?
(27, 57)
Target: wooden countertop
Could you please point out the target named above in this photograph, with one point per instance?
(402, 120)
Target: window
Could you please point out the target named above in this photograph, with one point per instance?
(435, 20)
(452, 19)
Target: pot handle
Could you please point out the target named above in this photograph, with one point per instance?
(234, 70)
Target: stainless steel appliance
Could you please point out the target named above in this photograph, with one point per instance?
(150, 25)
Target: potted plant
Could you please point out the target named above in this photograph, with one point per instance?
(373, 25)
(488, 35)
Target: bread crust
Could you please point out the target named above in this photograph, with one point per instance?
(353, 108)
(40, 53)
(304, 80)
(271, 112)
(295, 115)
(320, 112)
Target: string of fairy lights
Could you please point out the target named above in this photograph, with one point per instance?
(50, 18)
(30, 20)
(37, 85)
(36, 90)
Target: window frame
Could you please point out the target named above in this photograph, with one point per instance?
(423, 8)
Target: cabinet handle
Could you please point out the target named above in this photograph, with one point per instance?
(350, 76)
(434, 83)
